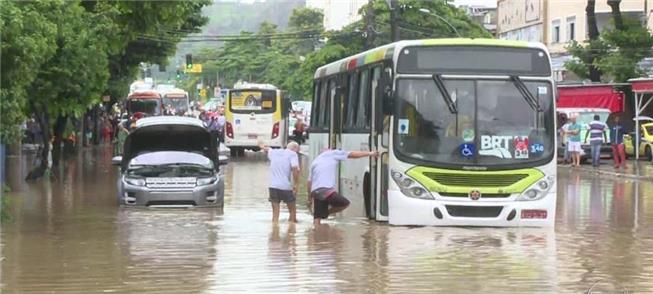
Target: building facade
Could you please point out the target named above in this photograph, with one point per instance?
(557, 23)
(337, 13)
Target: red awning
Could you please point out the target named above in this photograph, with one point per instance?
(591, 96)
(642, 86)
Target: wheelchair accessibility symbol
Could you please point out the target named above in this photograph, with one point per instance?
(467, 150)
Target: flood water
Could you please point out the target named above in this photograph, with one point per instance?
(68, 236)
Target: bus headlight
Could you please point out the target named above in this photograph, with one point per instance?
(537, 191)
(410, 187)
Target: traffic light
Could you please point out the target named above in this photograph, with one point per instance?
(189, 61)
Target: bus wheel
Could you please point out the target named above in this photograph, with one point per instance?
(366, 195)
(233, 151)
(241, 151)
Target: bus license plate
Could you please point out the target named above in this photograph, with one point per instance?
(533, 213)
(252, 136)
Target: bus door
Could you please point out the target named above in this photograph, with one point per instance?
(379, 134)
(333, 103)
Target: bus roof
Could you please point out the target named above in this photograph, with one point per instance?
(175, 93)
(148, 94)
(246, 85)
(386, 52)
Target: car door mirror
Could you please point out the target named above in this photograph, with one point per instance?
(116, 160)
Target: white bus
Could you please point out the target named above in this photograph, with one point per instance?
(255, 112)
(465, 129)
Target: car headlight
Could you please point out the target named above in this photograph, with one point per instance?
(206, 181)
(410, 187)
(135, 181)
(538, 190)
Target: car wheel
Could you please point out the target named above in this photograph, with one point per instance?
(648, 153)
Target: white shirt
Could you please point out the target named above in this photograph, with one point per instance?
(281, 163)
(323, 172)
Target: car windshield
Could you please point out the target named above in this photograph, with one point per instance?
(493, 123)
(149, 106)
(170, 170)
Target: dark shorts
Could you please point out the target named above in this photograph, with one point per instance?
(277, 195)
(321, 207)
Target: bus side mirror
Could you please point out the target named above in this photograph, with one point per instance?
(385, 92)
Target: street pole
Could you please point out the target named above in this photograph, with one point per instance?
(394, 27)
(369, 22)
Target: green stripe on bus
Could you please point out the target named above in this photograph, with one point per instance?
(486, 182)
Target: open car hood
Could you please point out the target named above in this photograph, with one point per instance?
(169, 135)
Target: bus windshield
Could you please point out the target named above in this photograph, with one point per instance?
(180, 105)
(253, 101)
(149, 106)
(494, 125)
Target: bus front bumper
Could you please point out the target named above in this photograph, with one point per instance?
(410, 211)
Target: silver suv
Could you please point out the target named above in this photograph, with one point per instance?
(170, 161)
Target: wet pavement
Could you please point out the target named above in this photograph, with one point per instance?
(68, 236)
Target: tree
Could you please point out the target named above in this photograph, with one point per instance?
(615, 52)
(73, 78)
(413, 24)
(27, 42)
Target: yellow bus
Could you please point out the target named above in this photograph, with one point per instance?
(255, 112)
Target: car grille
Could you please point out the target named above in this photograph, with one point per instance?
(473, 211)
(171, 183)
(484, 195)
(476, 180)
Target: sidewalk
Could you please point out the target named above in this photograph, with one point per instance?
(642, 170)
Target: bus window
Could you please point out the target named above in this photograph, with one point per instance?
(253, 101)
(315, 116)
(352, 101)
(330, 95)
(362, 121)
(376, 76)
(323, 106)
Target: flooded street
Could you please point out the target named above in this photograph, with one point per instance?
(68, 236)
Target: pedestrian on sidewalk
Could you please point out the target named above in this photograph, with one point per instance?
(564, 121)
(573, 141)
(597, 135)
(283, 164)
(617, 143)
(322, 178)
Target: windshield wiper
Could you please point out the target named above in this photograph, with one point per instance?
(445, 94)
(528, 96)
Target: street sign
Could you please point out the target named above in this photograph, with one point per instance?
(197, 68)
(106, 98)
(203, 93)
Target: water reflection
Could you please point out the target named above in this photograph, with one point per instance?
(68, 237)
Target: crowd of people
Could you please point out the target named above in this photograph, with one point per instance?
(596, 136)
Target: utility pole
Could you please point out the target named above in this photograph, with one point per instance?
(394, 27)
(369, 22)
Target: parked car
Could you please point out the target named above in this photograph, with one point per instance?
(645, 142)
(584, 117)
(170, 161)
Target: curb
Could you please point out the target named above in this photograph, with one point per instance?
(616, 174)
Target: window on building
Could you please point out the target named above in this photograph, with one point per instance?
(571, 28)
(555, 33)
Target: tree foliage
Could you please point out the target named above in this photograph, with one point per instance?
(60, 56)
(617, 52)
(291, 63)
